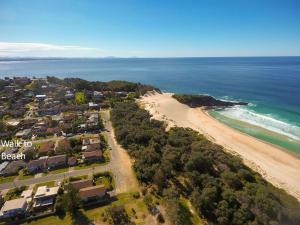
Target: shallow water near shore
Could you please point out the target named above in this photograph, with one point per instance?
(270, 84)
(261, 133)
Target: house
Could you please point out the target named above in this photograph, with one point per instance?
(13, 168)
(52, 130)
(67, 129)
(24, 134)
(3, 166)
(44, 197)
(57, 161)
(90, 148)
(27, 194)
(28, 151)
(13, 208)
(69, 118)
(37, 165)
(13, 123)
(79, 184)
(72, 161)
(9, 88)
(94, 106)
(90, 141)
(92, 156)
(92, 193)
(39, 98)
(46, 147)
(69, 95)
(98, 95)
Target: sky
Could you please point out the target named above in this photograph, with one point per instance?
(143, 28)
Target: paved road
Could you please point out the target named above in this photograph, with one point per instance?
(119, 165)
(53, 177)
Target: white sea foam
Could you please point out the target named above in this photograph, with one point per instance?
(265, 121)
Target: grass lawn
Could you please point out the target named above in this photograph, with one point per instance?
(82, 166)
(131, 204)
(50, 220)
(23, 177)
(195, 219)
(7, 179)
(61, 170)
(105, 178)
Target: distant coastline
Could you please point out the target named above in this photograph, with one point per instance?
(268, 84)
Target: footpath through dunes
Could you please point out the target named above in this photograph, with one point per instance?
(278, 166)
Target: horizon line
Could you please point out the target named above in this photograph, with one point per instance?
(138, 57)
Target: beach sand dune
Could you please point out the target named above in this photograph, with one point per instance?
(276, 165)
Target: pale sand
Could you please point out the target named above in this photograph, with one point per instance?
(276, 165)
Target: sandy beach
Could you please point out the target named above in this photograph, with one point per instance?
(276, 165)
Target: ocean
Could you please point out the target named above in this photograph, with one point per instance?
(271, 85)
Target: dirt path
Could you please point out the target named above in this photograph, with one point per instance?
(120, 163)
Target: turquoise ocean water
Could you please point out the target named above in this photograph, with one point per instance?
(270, 84)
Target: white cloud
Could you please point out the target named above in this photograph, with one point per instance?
(41, 49)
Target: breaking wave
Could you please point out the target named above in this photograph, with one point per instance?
(265, 121)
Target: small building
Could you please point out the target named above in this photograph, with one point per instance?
(91, 147)
(94, 106)
(44, 197)
(46, 147)
(13, 123)
(13, 208)
(57, 161)
(24, 134)
(72, 161)
(27, 194)
(79, 184)
(52, 130)
(92, 156)
(37, 165)
(90, 141)
(98, 95)
(69, 117)
(39, 98)
(3, 166)
(13, 168)
(92, 193)
(69, 95)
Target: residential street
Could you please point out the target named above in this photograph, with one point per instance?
(119, 165)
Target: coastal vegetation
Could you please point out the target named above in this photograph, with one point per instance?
(111, 86)
(204, 100)
(182, 163)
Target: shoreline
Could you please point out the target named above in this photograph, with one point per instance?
(277, 165)
(294, 154)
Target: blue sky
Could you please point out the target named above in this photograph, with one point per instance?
(140, 28)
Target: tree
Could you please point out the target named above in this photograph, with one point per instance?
(160, 180)
(117, 215)
(177, 213)
(71, 200)
(64, 147)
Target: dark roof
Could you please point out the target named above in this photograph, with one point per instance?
(92, 191)
(57, 159)
(14, 167)
(92, 154)
(38, 162)
(79, 184)
(47, 146)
